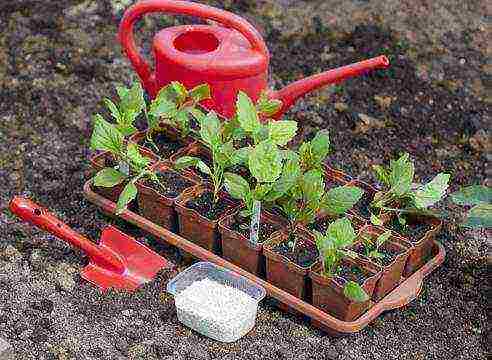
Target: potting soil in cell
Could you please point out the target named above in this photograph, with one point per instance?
(215, 310)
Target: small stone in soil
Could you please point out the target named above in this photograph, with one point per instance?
(166, 145)
(205, 205)
(241, 225)
(174, 183)
(305, 253)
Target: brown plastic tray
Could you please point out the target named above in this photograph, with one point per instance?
(406, 292)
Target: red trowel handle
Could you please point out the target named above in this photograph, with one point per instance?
(43, 219)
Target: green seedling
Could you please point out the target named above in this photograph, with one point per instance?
(223, 153)
(479, 198)
(372, 248)
(401, 195)
(305, 196)
(131, 165)
(126, 111)
(246, 122)
(175, 105)
(333, 248)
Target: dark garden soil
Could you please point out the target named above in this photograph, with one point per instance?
(205, 206)
(362, 207)
(172, 182)
(321, 225)
(59, 59)
(242, 226)
(414, 231)
(352, 273)
(305, 254)
(388, 254)
(166, 145)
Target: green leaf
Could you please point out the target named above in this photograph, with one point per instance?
(355, 292)
(265, 162)
(113, 109)
(126, 129)
(246, 113)
(320, 146)
(231, 129)
(185, 162)
(180, 91)
(312, 186)
(223, 154)
(472, 195)
(431, 192)
(106, 137)
(241, 156)
(203, 167)
(236, 186)
(375, 220)
(200, 92)
(281, 132)
(162, 107)
(341, 233)
(401, 175)
(340, 199)
(210, 130)
(382, 174)
(374, 254)
(261, 190)
(108, 177)
(137, 160)
(197, 114)
(127, 195)
(132, 102)
(270, 107)
(480, 216)
(381, 239)
(183, 122)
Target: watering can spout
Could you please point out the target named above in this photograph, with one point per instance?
(291, 93)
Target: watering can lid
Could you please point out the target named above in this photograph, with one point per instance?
(225, 52)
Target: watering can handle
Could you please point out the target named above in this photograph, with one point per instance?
(141, 8)
(31, 212)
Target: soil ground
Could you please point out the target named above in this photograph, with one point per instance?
(58, 59)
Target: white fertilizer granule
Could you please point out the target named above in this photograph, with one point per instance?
(218, 311)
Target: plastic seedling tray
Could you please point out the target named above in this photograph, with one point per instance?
(406, 291)
(216, 302)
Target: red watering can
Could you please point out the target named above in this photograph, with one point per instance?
(231, 56)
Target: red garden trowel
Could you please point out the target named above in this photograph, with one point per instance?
(119, 261)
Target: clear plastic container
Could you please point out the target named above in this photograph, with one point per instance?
(229, 323)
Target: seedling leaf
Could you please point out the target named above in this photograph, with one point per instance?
(431, 192)
(355, 292)
(341, 232)
(246, 113)
(127, 195)
(108, 177)
(281, 132)
(472, 195)
(401, 175)
(236, 185)
(200, 92)
(105, 136)
(480, 216)
(265, 162)
(340, 199)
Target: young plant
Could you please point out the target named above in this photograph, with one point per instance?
(128, 109)
(223, 153)
(400, 191)
(304, 178)
(333, 249)
(371, 247)
(130, 164)
(479, 198)
(247, 122)
(174, 105)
